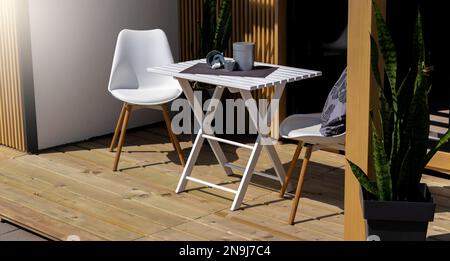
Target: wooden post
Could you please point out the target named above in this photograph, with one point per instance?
(361, 98)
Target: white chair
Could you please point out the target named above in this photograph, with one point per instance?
(306, 130)
(137, 88)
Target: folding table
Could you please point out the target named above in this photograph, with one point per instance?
(243, 85)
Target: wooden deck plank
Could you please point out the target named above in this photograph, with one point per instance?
(212, 173)
(140, 178)
(72, 185)
(71, 190)
(243, 230)
(238, 156)
(68, 216)
(42, 224)
(120, 218)
(275, 228)
(174, 235)
(440, 162)
(145, 197)
(8, 153)
(308, 210)
(103, 160)
(209, 232)
(103, 212)
(308, 218)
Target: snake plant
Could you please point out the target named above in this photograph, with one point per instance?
(400, 142)
(216, 25)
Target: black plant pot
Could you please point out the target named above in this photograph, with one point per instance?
(398, 220)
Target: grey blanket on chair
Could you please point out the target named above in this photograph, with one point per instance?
(334, 112)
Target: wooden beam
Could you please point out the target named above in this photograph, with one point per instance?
(440, 162)
(360, 102)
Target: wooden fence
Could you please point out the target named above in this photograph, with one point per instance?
(11, 105)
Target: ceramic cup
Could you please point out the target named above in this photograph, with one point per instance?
(229, 66)
(244, 55)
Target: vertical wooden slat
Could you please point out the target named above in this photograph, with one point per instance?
(11, 107)
(2, 118)
(259, 36)
(197, 17)
(17, 120)
(181, 14)
(190, 29)
(269, 25)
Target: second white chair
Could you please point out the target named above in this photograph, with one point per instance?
(306, 130)
(139, 89)
(316, 131)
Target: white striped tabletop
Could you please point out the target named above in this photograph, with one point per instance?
(283, 75)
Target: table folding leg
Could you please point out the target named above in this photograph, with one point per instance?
(206, 133)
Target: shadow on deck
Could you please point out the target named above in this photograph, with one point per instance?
(71, 190)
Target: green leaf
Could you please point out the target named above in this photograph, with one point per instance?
(431, 153)
(388, 50)
(405, 82)
(385, 118)
(417, 129)
(382, 168)
(405, 94)
(363, 179)
(395, 147)
(385, 111)
(389, 111)
(404, 172)
(227, 32)
(222, 21)
(207, 30)
(420, 42)
(374, 59)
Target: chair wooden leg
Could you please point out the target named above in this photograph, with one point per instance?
(118, 127)
(291, 168)
(128, 109)
(172, 136)
(298, 192)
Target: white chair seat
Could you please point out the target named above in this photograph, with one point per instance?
(149, 96)
(306, 127)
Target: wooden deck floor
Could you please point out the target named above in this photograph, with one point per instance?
(72, 191)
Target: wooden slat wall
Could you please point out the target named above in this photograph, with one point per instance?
(11, 110)
(258, 21)
(253, 21)
(190, 14)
